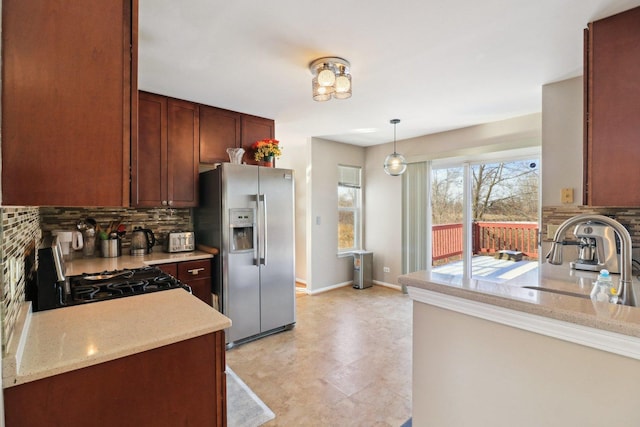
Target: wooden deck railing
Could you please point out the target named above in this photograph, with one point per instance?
(488, 238)
(447, 241)
(491, 237)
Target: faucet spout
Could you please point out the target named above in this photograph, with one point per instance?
(555, 254)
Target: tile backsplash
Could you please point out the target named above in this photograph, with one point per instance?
(23, 228)
(158, 220)
(20, 233)
(629, 217)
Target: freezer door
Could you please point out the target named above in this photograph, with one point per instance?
(276, 248)
(241, 272)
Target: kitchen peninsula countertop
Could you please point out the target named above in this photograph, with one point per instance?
(98, 264)
(55, 341)
(512, 294)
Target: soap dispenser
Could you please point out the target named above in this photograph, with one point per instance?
(603, 290)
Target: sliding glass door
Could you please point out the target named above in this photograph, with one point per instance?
(484, 218)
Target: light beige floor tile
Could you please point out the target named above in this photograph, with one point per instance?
(347, 362)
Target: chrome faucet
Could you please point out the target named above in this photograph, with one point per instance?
(555, 254)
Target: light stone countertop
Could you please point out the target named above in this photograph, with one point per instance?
(55, 341)
(98, 264)
(512, 295)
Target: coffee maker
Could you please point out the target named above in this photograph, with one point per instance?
(597, 248)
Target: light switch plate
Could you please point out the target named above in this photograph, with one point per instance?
(551, 231)
(567, 195)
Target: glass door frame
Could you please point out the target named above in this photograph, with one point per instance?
(466, 165)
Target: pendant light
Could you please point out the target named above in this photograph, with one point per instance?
(395, 164)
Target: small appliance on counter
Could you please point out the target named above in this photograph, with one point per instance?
(597, 248)
(50, 281)
(180, 241)
(142, 241)
(69, 241)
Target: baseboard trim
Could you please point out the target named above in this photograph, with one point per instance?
(388, 285)
(329, 288)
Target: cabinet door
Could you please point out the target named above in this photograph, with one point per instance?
(254, 129)
(149, 172)
(165, 157)
(197, 274)
(66, 110)
(182, 157)
(171, 269)
(189, 375)
(613, 108)
(219, 130)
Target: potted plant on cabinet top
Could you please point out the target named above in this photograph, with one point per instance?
(266, 151)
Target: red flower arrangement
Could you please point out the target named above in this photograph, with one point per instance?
(266, 148)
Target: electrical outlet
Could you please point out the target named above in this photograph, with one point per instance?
(567, 195)
(386, 269)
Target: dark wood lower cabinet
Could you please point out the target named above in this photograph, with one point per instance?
(195, 274)
(181, 384)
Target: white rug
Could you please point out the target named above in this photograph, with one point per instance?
(244, 407)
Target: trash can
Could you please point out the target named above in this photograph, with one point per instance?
(362, 269)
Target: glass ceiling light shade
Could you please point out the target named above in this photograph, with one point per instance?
(331, 78)
(321, 93)
(326, 76)
(395, 164)
(342, 84)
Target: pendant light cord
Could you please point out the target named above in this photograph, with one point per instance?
(394, 122)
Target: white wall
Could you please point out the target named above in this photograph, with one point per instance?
(324, 268)
(478, 373)
(315, 163)
(383, 215)
(562, 121)
(295, 156)
(383, 208)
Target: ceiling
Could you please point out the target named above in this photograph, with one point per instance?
(436, 65)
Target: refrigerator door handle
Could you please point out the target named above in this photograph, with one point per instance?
(263, 230)
(256, 238)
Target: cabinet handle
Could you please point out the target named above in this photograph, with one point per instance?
(195, 271)
(170, 202)
(164, 203)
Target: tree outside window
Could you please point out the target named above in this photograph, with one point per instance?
(349, 208)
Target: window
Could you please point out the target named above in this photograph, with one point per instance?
(349, 208)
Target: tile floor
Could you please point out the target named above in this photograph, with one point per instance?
(347, 362)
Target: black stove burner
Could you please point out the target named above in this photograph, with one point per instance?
(120, 283)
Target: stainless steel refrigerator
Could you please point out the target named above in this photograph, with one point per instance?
(247, 212)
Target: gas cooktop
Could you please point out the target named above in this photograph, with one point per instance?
(107, 285)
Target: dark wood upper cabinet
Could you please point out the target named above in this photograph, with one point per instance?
(254, 129)
(612, 111)
(219, 130)
(68, 76)
(165, 157)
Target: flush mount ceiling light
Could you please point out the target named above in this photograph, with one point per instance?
(395, 164)
(331, 78)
